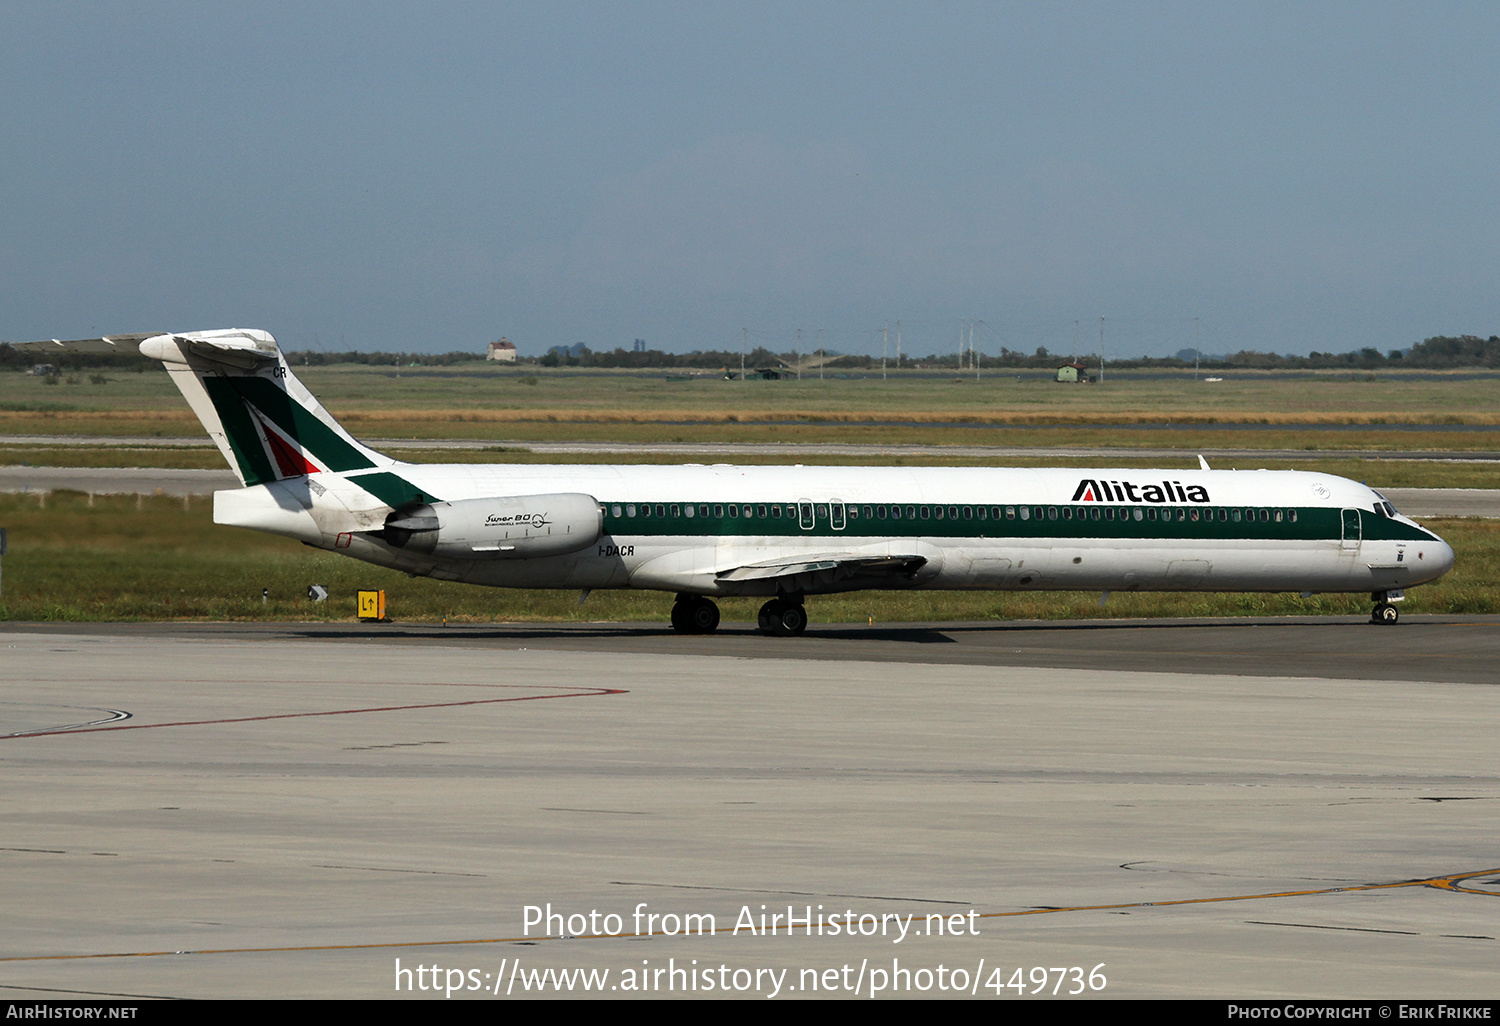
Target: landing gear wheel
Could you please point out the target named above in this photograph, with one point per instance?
(1385, 613)
(792, 620)
(782, 618)
(704, 616)
(694, 614)
(766, 618)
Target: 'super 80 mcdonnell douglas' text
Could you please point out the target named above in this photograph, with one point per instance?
(783, 533)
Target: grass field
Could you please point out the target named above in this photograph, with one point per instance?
(122, 558)
(482, 395)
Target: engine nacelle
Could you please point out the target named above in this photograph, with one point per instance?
(503, 527)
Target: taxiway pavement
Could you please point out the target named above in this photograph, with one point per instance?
(1206, 808)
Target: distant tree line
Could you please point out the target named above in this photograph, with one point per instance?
(1438, 352)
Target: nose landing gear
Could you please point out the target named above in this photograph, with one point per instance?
(1383, 612)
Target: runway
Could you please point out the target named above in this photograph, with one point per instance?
(1184, 808)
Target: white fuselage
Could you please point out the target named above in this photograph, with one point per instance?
(693, 528)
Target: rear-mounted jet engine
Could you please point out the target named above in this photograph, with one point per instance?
(504, 527)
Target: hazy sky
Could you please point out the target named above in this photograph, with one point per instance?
(427, 177)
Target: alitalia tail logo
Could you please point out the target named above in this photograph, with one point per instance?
(1090, 490)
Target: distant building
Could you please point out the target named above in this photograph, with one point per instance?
(1075, 373)
(503, 351)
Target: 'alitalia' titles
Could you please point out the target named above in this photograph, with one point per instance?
(1089, 490)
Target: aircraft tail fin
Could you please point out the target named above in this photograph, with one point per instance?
(266, 423)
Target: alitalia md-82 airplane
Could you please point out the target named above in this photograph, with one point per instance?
(783, 533)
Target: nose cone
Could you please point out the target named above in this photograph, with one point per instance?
(1434, 558)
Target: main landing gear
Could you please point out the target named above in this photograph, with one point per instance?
(783, 616)
(1383, 612)
(694, 614)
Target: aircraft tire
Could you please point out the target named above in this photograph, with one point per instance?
(766, 619)
(791, 619)
(703, 616)
(1385, 613)
(682, 617)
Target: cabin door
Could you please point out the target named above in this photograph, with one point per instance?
(1351, 529)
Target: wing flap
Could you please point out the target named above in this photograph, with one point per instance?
(841, 565)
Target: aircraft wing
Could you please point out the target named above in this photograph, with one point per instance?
(837, 566)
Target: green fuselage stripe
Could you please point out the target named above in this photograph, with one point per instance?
(1296, 524)
(392, 489)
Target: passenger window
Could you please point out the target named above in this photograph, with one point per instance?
(968, 512)
(688, 511)
(1051, 512)
(895, 512)
(952, 512)
(776, 512)
(1137, 513)
(614, 510)
(760, 510)
(1150, 512)
(703, 510)
(926, 513)
(1025, 512)
(1109, 512)
(734, 511)
(939, 512)
(1010, 512)
(911, 512)
(880, 512)
(630, 509)
(718, 512)
(1278, 516)
(1234, 515)
(1291, 515)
